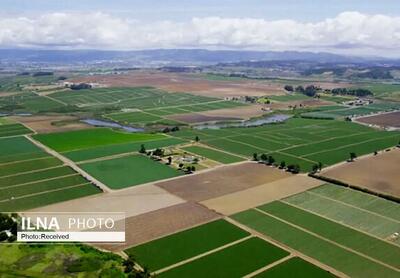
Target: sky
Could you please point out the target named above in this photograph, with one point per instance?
(352, 27)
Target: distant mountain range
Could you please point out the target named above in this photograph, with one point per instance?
(171, 56)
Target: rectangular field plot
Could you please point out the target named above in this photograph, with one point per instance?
(329, 253)
(18, 149)
(178, 247)
(358, 218)
(214, 154)
(295, 268)
(115, 149)
(305, 142)
(13, 130)
(36, 176)
(128, 171)
(50, 197)
(370, 246)
(90, 138)
(28, 165)
(234, 261)
(360, 200)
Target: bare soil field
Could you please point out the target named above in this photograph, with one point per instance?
(221, 181)
(187, 83)
(243, 112)
(378, 173)
(191, 118)
(132, 201)
(256, 196)
(149, 226)
(385, 120)
(48, 124)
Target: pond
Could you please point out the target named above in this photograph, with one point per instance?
(94, 122)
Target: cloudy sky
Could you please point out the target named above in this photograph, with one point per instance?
(342, 26)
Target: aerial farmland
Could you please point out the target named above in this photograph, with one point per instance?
(208, 181)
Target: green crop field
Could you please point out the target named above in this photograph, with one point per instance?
(48, 198)
(370, 246)
(17, 149)
(128, 171)
(156, 115)
(178, 247)
(90, 138)
(384, 91)
(30, 178)
(295, 268)
(109, 150)
(28, 165)
(297, 141)
(353, 111)
(213, 154)
(289, 97)
(139, 97)
(360, 200)
(319, 248)
(234, 261)
(35, 176)
(323, 202)
(13, 130)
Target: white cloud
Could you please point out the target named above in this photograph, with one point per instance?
(350, 32)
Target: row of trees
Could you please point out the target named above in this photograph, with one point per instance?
(310, 90)
(359, 92)
(270, 160)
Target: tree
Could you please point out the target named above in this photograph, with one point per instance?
(197, 139)
(169, 160)
(375, 152)
(282, 165)
(296, 169)
(142, 149)
(263, 157)
(315, 168)
(289, 88)
(320, 165)
(180, 165)
(158, 152)
(353, 156)
(255, 156)
(193, 168)
(129, 264)
(271, 160)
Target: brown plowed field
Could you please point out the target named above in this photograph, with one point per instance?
(47, 124)
(223, 180)
(379, 173)
(256, 196)
(386, 120)
(149, 226)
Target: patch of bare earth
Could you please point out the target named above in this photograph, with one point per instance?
(152, 225)
(385, 120)
(51, 123)
(378, 173)
(132, 201)
(255, 196)
(222, 180)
